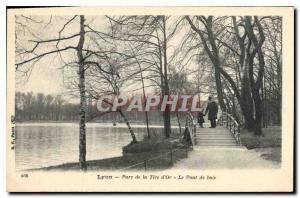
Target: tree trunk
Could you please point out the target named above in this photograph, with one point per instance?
(162, 81)
(219, 88)
(178, 121)
(256, 85)
(167, 122)
(82, 134)
(216, 61)
(128, 125)
(246, 103)
(258, 112)
(279, 74)
(144, 97)
(212, 53)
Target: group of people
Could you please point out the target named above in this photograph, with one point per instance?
(212, 110)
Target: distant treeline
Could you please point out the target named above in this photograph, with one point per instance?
(39, 106)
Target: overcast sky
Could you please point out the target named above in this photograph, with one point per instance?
(47, 75)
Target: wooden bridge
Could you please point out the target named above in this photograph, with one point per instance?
(227, 133)
(219, 136)
(212, 148)
(219, 148)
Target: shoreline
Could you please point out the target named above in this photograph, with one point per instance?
(120, 163)
(155, 160)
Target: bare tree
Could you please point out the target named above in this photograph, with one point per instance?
(30, 54)
(212, 51)
(237, 49)
(153, 33)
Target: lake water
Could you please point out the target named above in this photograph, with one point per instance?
(46, 144)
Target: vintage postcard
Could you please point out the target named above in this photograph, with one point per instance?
(150, 99)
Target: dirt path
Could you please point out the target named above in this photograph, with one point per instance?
(206, 157)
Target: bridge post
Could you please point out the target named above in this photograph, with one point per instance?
(186, 150)
(221, 119)
(234, 128)
(239, 133)
(226, 119)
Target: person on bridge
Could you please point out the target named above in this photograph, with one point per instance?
(212, 109)
(200, 118)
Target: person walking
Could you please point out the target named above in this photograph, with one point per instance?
(200, 118)
(212, 109)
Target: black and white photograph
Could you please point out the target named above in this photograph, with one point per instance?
(150, 92)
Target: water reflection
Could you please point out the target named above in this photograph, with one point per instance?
(44, 144)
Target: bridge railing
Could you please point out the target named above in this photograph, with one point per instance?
(190, 126)
(227, 120)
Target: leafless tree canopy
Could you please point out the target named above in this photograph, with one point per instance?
(238, 59)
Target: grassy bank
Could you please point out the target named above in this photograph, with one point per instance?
(154, 153)
(268, 145)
